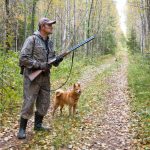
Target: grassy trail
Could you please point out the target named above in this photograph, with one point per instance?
(107, 124)
(63, 128)
(112, 113)
(139, 83)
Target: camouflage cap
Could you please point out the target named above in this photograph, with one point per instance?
(43, 21)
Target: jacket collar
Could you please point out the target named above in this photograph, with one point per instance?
(37, 33)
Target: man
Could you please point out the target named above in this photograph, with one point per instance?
(35, 54)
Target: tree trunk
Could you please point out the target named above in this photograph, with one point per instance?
(88, 27)
(16, 45)
(33, 16)
(25, 20)
(148, 13)
(74, 21)
(7, 25)
(65, 26)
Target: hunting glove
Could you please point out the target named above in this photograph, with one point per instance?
(44, 66)
(58, 60)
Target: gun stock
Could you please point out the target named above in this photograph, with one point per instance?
(33, 75)
(36, 73)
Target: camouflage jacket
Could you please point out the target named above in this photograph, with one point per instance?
(34, 51)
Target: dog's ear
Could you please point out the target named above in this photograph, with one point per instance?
(74, 86)
(79, 84)
(58, 93)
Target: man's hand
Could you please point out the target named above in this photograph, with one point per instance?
(44, 66)
(58, 60)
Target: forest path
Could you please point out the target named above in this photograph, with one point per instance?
(8, 140)
(109, 127)
(105, 127)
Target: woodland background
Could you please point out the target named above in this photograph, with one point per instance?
(76, 21)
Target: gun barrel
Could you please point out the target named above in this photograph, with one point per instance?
(82, 43)
(33, 75)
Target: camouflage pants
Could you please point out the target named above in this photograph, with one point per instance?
(36, 93)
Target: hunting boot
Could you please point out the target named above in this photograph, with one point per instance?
(22, 129)
(38, 123)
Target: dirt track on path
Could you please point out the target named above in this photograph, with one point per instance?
(110, 127)
(116, 121)
(90, 74)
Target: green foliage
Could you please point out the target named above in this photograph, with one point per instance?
(123, 40)
(139, 83)
(107, 39)
(132, 43)
(110, 44)
(11, 82)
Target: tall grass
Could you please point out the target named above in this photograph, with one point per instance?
(139, 83)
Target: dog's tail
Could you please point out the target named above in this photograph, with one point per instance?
(59, 92)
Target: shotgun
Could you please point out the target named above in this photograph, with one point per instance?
(36, 73)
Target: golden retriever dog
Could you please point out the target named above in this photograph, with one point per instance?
(69, 98)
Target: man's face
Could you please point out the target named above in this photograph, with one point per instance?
(47, 28)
